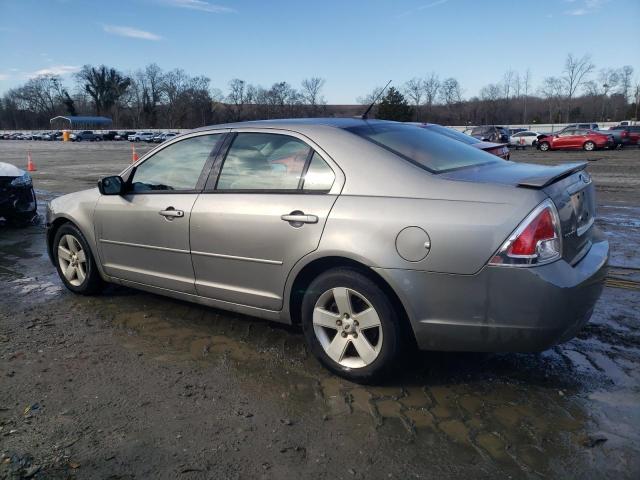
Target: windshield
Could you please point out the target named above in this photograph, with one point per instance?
(451, 133)
(432, 151)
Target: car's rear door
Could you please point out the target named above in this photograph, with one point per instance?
(143, 235)
(264, 208)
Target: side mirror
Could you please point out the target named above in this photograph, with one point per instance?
(113, 185)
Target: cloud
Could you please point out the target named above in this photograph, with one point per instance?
(584, 7)
(4, 76)
(55, 70)
(200, 5)
(130, 32)
(432, 4)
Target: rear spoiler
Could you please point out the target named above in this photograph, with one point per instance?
(553, 174)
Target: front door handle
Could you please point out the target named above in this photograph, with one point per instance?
(298, 218)
(170, 213)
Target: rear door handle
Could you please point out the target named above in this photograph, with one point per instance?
(170, 213)
(297, 218)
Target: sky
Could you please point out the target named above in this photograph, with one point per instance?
(355, 45)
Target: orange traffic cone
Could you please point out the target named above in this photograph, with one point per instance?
(134, 155)
(31, 167)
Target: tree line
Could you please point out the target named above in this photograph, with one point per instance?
(154, 98)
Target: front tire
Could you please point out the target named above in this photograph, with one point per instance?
(544, 146)
(75, 263)
(589, 146)
(351, 325)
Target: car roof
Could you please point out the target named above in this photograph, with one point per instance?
(297, 123)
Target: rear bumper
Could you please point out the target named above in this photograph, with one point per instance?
(502, 309)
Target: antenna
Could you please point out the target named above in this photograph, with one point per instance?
(365, 115)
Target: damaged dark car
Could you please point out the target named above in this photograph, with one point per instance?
(17, 198)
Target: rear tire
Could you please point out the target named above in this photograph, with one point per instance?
(589, 146)
(544, 146)
(74, 261)
(351, 325)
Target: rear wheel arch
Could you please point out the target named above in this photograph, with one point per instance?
(310, 271)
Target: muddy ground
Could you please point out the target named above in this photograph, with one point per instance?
(134, 385)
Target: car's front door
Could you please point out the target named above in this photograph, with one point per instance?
(264, 211)
(563, 139)
(143, 235)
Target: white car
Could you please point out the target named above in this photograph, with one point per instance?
(523, 139)
(141, 137)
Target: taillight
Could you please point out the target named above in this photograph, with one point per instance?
(536, 241)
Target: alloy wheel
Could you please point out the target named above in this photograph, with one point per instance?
(72, 260)
(348, 327)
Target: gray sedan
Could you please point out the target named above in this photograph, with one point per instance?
(374, 236)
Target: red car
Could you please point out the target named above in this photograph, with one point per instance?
(575, 138)
(499, 149)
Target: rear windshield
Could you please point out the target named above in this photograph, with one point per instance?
(432, 151)
(451, 133)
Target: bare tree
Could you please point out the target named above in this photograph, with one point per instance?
(507, 82)
(414, 91)
(431, 86)
(104, 85)
(238, 97)
(312, 91)
(607, 81)
(576, 71)
(369, 98)
(552, 91)
(526, 86)
(624, 77)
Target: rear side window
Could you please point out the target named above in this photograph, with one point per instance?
(432, 151)
(264, 161)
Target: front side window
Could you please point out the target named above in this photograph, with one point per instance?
(429, 150)
(176, 167)
(264, 161)
(567, 133)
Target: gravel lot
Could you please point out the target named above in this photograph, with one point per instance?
(133, 385)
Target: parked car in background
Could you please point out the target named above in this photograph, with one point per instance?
(110, 135)
(572, 139)
(633, 132)
(629, 123)
(85, 136)
(582, 126)
(17, 199)
(164, 137)
(491, 133)
(157, 137)
(123, 135)
(513, 131)
(499, 149)
(524, 138)
(401, 236)
(141, 137)
(624, 135)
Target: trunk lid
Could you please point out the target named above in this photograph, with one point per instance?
(569, 186)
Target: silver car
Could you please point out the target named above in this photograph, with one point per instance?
(375, 236)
